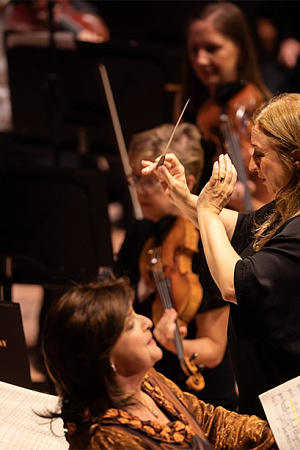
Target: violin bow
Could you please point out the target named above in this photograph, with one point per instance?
(162, 158)
(119, 137)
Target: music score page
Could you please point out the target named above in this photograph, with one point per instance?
(21, 428)
(282, 408)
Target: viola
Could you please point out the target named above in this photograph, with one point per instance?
(225, 120)
(179, 242)
(166, 265)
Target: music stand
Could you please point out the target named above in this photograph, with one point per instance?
(55, 228)
(14, 363)
(139, 77)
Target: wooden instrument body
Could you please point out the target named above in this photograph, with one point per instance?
(168, 269)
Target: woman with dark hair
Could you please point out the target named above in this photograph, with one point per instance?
(100, 355)
(222, 79)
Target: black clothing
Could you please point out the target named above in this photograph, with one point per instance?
(264, 341)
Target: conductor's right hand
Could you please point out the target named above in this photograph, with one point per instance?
(172, 177)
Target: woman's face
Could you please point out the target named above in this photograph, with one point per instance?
(265, 161)
(213, 56)
(135, 351)
(151, 196)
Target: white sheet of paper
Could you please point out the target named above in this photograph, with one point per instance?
(282, 408)
(21, 428)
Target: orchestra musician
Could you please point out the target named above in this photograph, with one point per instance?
(254, 256)
(222, 80)
(100, 355)
(77, 17)
(205, 314)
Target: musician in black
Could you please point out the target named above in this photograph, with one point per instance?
(221, 76)
(254, 256)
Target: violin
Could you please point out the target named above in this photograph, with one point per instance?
(166, 265)
(225, 120)
(179, 242)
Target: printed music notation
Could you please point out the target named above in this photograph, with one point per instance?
(282, 408)
(21, 428)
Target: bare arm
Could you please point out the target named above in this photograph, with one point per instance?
(211, 336)
(215, 231)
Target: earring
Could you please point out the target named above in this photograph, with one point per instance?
(295, 155)
(114, 369)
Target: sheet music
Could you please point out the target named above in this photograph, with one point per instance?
(21, 428)
(282, 408)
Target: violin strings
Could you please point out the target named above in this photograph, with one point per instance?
(165, 296)
(164, 290)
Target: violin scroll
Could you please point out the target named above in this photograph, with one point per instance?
(195, 380)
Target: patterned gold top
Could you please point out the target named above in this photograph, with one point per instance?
(193, 424)
(177, 430)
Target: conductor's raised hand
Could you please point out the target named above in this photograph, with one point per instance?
(217, 192)
(171, 175)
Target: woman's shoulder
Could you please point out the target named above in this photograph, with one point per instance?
(290, 228)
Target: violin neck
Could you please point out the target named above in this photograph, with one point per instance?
(195, 380)
(164, 290)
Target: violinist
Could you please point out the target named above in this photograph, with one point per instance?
(222, 79)
(75, 16)
(204, 322)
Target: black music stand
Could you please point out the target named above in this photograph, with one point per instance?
(14, 363)
(54, 231)
(54, 228)
(140, 78)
